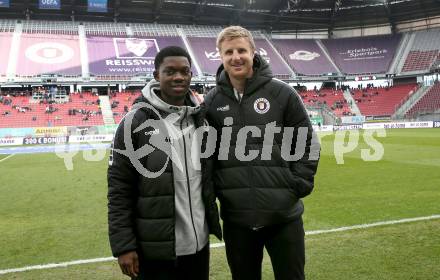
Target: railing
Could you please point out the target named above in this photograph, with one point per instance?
(105, 29)
(48, 27)
(7, 25)
(154, 29)
(201, 31)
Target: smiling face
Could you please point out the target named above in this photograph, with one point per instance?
(174, 75)
(237, 57)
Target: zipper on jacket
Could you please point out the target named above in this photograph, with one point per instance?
(253, 192)
(187, 181)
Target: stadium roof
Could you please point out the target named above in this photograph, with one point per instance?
(263, 14)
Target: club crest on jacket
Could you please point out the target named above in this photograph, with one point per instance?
(261, 105)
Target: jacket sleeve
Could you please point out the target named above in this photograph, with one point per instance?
(303, 169)
(121, 177)
(207, 101)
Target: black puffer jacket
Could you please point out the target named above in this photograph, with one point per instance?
(259, 192)
(141, 211)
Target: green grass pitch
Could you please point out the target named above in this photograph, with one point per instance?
(49, 214)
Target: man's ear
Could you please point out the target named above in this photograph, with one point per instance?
(156, 75)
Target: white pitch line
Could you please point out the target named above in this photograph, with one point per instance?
(55, 265)
(384, 223)
(11, 155)
(218, 245)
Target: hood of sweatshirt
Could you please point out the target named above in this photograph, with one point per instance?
(151, 93)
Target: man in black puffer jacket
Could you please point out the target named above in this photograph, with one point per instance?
(161, 201)
(266, 158)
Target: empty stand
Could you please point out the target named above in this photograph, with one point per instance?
(419, 60)
(429, 103)
(381, 101)
(424, 51)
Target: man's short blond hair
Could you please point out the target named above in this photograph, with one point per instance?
(234, 32)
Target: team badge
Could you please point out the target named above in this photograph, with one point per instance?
(261, 105)
(138, 46)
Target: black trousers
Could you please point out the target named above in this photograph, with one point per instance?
(190, 267)
(284, 243)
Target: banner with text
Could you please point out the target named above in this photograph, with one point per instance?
(50, 131)
(427, 124)
(323, 128)
(126, 56)
(4, 3)
(15, 141)
(353, 119)
(347, 127)
(45, 140)
(372, 54)
(99, 6)
(91, 138)
(49, 4)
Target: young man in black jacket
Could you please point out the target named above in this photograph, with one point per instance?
(260, 123)
(161, 202)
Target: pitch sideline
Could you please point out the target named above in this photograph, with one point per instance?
(3, 159)
(218, 245)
